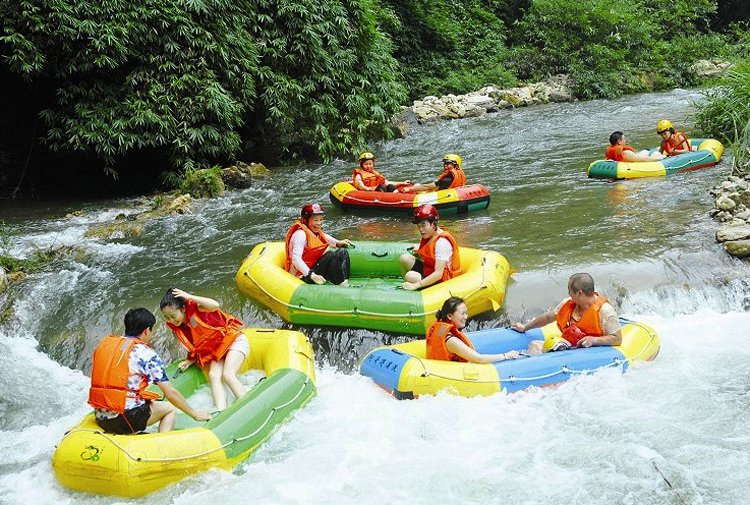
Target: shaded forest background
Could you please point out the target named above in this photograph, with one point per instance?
(116, 97)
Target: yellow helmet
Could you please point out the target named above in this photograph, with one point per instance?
(452, 158)
(664, 125)
(365, 156)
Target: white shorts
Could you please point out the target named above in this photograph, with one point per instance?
(240, 344)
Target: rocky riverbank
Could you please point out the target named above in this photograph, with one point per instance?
(732, 210)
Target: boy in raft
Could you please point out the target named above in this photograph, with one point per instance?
(445, 341)
(619, 151)
(213, 339)
(367, 178)
(452, 177)
(672, 142)
(585, 318)
(307, 254)
(438, 252)
(123, 369)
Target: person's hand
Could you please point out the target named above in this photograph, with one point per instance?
(518, 327)
(180, 293)
(535, 347)
(586, 342)
(185, 364)
(343, 243)
(202, 415)
(410, 286)
(317, 279)
(511, 355)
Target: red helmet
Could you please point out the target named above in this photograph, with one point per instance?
(425, 212)
(311, 209)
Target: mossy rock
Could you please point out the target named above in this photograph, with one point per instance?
(203, 183)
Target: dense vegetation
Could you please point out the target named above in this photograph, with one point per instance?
(140, 88)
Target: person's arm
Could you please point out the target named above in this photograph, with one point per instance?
(591, 341)
(336, 242)
(456, 346)
(610, 326)
(299, 242)
(537, 322)
(179, 401)
(682, 147)
(359, 184)
(203, 302)
(634, 157)
(429, 186)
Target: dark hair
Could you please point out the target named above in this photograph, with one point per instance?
(583, 282)
(137, 320)
(171, 300)
(615, 137)
(449, 307)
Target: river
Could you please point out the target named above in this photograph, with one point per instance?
(668, 432)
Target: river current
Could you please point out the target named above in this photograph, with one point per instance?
(667, 432)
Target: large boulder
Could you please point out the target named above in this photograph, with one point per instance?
(234, 177)
(738, 248)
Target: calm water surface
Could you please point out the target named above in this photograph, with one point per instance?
(598, 440)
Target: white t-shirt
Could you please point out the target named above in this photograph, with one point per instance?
(299, 243)
(444, 251)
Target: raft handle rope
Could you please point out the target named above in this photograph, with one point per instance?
(355, 310)
(272, 410)
(678, 167)
(563, 370)
(438, 197)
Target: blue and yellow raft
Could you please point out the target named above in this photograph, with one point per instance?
(706, 153)
(90, 460)
(403, 370)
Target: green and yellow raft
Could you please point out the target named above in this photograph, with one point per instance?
(133, 465)
(706, 153)
(374, 299)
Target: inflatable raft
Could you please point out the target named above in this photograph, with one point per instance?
(374, 299)
(403, 370)
(90, 460)
(706, 153)
(447, 201)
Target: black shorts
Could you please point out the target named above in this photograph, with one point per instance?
(418, 267)
(132, 421)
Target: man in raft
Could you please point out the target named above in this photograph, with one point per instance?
(619, 151)
(673, 142)
(585, 318)
(123, 368)
(452, 177)
(307, 254)
(438, 259)
(366, 178)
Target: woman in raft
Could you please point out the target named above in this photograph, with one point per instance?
(213, 339)
(446, 342)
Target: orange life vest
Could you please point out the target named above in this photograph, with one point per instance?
(426, 251)
(672, 143)
(208, 342)
(435, 341)
(614, 153)
(459, 179)
(110, 374)
(589, 323)
(317, 243)
(370, 178)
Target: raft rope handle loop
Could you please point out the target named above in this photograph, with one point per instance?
(481, 286)
(204, 453)
(563, 369)
(678, 167)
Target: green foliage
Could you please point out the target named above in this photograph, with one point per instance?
(450, 47)
(203, 183)
(38, 259)
(725, 113)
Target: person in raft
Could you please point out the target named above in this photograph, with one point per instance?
(213, 339)
(585, 318)
(307, 254)
(445, 341)
(438, 259)
(672, 142)
(452, 177)
(619, 151)
(367, 178)
(123, 369)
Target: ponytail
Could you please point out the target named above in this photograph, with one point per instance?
(449, 307)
